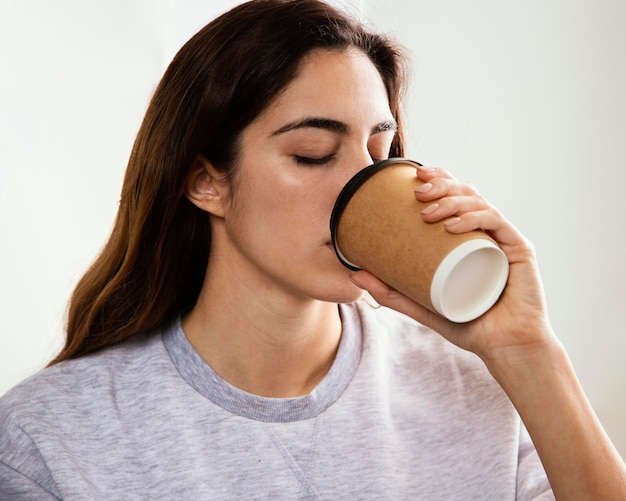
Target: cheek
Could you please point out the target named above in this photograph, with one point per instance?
(282, 205)
(271, 214)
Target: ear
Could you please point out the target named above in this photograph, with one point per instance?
(206, 187)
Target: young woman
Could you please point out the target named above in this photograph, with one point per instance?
(217, 348)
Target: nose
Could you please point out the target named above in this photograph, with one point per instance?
(355, 157)
(359, 161)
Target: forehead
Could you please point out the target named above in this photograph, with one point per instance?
(329, 81)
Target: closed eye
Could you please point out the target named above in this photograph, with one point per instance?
(313, 161)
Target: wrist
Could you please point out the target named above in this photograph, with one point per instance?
(527, 363)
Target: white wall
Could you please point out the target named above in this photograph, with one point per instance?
(524, 99)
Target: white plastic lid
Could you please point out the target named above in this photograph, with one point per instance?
(469, 280)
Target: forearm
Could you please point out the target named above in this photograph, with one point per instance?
(579, 459)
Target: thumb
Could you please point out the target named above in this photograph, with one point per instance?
(391, 298)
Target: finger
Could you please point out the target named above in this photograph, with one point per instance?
(486, 219)
(391, 298)
(468, 216)
(491, 221)
(453, 206)
(388, 296)
(425, 173)
(439, 187)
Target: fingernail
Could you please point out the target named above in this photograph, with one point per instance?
(452, 221)
(430, 209)
(426, 187)
(424, 168)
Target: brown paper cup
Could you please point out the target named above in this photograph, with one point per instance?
(376, 225)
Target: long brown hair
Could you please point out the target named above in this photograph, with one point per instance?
(153, 265)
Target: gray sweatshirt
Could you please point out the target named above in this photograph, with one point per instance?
(402, 414)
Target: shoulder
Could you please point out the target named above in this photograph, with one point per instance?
(50, 412)
(73, 377)
(74, 388)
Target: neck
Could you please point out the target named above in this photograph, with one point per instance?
(268, 344)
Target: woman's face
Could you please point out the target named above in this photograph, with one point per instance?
(331, 121)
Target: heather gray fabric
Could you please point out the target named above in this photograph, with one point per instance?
(402, 414)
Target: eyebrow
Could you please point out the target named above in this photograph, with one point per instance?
(332, 126)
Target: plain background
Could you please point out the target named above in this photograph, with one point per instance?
(524, 99)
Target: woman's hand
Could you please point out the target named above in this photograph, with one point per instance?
(518, 321)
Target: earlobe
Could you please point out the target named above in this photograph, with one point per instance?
(205, 187)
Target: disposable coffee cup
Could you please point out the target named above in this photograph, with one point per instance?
(376, 225)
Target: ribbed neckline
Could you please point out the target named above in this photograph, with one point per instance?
(197, 373)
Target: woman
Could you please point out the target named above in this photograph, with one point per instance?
(218, 349)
